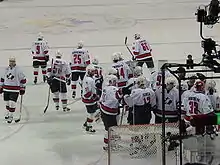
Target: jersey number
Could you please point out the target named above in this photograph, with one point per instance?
(144, 46)
(77, 59)
(121, 73)
(158, 81)
(56, 70)
(37, 49)
(193, 107)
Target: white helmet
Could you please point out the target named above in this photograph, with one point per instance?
(141, 82)
(184, 86)
(90, 69)
(112, 71)
(40, 36)
(211, 84)
(111, 80)
(12, 61)
(95, 61)
(80, 44)
(137, 36)
(59, 54)
(170, 82)
(116, 56)
(138, 71)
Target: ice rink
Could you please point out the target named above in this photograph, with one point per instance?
(57, 138)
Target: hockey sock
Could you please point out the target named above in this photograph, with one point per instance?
(89, 119)
(56, 98)
(36, 72)
(106, 139)
(63, 97)
(44, 72)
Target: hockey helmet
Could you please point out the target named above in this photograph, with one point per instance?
(138, 71)
(141, 82)
(211, 84)
(170, 82)
(111, 80)
(80, 44)
(59, 54)
(40, 36)
(95, 61)
(199, 85)
(116, 56)
(137, 36)
(90, 69)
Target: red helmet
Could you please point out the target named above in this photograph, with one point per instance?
(199, 85)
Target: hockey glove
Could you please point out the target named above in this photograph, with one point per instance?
(47, 58)
(49, 80)
(22, 91)
(68, 81)
(95, 97)
(1, 89)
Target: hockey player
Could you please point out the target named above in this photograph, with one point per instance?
(79, 61)
(171, 101)
(109, 105)
(98, 76)
(198, 104)
(12, 83)
(58, 77)
(90, 98)
(143, 101)
(40, 53)
(213, 95)
(123, 70)
(142, 52)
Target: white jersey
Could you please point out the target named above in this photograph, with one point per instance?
(197, 103)
(88, 91)
(40, 50)
(124, 73)
(79, 60)
(215, 101)
(141, 97)
(141, 49)
(171, 102)
(156, 79)
(13, 79)
(59, 70)
(109, 101)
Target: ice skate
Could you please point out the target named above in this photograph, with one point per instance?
(74, 94)
(89, 129)
(7, 116)
(57, 107)
(35, 80)
(10, 119)
(85, 125)
(66, 109)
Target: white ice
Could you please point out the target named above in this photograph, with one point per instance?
(57, 138)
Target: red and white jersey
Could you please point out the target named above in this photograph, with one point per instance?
(156, 79)
(197, 103)
(140, 97)
(79, 60)
(215, 101)
(124, 73)
(98, 72)
(132, 81)
(13, 79)
(141, 49)
(89, 91)
(59, 70)
(40, 50)
(171, 102)
(109, 101)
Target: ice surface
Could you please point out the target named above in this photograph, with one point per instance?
(57, 138)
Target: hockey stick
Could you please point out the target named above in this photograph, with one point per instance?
(48, 100)
(126, 39)
(48, 97)
(19, 119)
